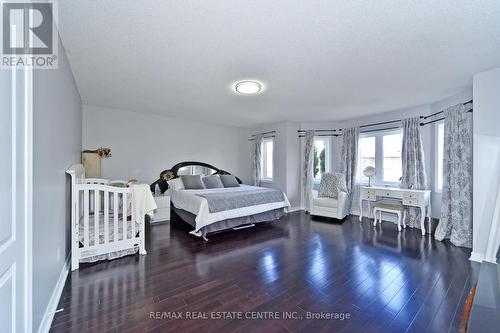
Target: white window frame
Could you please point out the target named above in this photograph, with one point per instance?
(438, 188)
(379, 157)
(328, 150)
(377, 162)
(263, 161)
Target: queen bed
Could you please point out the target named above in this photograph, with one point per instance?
(209, 210)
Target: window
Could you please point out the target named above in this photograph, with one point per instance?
(266, 162)
(392, 164)
(366, 147)
(321, 157)
(439, 155)
(383, 151)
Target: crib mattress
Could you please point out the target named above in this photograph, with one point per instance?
(111, 233)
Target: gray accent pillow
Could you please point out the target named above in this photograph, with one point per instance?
(331, 184)
(229, 181)
(192, 182)
(212, 181)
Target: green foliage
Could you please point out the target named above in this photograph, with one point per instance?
(315, 161)
(318, 161)
(322, 160)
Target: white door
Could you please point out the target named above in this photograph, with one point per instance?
(15, 200)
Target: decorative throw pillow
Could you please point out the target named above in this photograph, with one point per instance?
(341, 183)
(331, 184)
(229, 181)
(192, 182)
(212, 181)
(175, 184)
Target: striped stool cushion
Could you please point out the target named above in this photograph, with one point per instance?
(382, 206)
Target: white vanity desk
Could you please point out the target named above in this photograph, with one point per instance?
(414, 198)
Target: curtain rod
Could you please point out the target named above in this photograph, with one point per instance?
(303, 136)
(438, 119)
(439, 112)
(383, 123)
(264, 133)
(264, 137)
(362, 126)
(367, 131)
(319, 130)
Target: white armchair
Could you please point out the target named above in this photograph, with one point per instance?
(329, 207)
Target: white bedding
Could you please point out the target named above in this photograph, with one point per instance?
(189, 201)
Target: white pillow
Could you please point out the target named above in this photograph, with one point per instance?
(175, 184)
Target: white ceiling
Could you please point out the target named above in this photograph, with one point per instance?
(319, 60)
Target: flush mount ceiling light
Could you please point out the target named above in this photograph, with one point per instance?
(248, 87)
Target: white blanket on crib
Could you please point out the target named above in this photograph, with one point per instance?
(143, 200)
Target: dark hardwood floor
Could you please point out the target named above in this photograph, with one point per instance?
(384, 281)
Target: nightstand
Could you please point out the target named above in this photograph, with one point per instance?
(162, 213)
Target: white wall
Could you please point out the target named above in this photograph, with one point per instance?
(143, 145)
(293, 178)
(286, 172)
(57, 141)
(486, 157)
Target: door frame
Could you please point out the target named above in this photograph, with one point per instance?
(21, 159)
(28, 199)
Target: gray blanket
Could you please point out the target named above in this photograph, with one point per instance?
(218, 202)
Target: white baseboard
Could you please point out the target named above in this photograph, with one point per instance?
(54, 298)
(477, 257)
(295, 209)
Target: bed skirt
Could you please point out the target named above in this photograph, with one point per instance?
(268, 216)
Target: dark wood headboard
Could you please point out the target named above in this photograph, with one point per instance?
(173, 173)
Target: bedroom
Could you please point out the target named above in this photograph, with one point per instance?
(206, 100)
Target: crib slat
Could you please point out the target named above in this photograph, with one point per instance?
(106, 217)
(124, 231)
(97, 210)
(132, 220)
(115, 216)
(75, 229)
(86, 209)
(91, 200)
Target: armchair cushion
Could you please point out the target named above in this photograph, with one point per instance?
(331, 184)
(329, 207)
(325, 202)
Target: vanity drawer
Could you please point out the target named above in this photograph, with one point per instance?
(390, 194)
(368, 191)
(407, 201)
(411, 196)
(369, 197)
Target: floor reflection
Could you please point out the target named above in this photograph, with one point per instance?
(213, 255)
(318, 265)
(390, 241)
(267, 267)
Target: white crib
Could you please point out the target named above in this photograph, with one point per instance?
(100, 225)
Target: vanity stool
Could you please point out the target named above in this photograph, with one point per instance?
(389, 208)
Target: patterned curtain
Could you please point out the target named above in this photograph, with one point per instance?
(349, 159)
(456, 202)
(308, 167)
(414, 175)
(257, 154)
